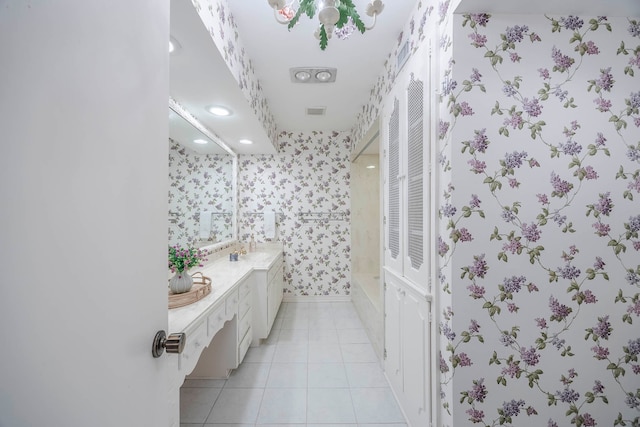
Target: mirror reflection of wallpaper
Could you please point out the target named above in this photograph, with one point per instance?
(199, 182)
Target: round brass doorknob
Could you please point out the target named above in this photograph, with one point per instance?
(174, 343)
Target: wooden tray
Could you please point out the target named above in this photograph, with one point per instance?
(200, 289)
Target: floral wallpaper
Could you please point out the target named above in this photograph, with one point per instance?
(224, 31)
(539, 244)
(199, 183)
(311, 173)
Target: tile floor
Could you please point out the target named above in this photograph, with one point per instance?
(316, 369)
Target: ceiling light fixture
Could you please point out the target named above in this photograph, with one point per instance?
(245, 141)
(200, 141)
(219, 110)
(335, 16)
(313, 75)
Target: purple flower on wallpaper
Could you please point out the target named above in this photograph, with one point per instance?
(514, 183)
(542, 199)
(479, 267)
(605, 81)
(600, 353)
(632, 401)
(531, 232)
(634, 100)
(478, 391)
(443, 7)
(541, 323)
(475, 201)
(443, 248)
(551, 423)
(464, 359)
(512, 369)
(448, 86)
(599, 264)
(507, 215)
(509, 90)
(634, 308)
(475, 75)
(447, 332)
(558, 311)
(449, 210)
(465, 109)
(514, 57)
(598, 387)
(632, 277)
(600, 140)
(480, 141)
(513, 246)
(634, 223)
(569, 272)
(604, 205)
(636, 369)
(589, 297)
(590, 173)
(590, 48)
(506, 339)
(513, 284)
(477, 291)
(571, 148)
(443, 364)
(478, 40)
(481, 19)
(633, 154)
(529, 356)
(532, 107)
(603, 328)
(474, 326)
(557, 342)
(634, 28)
(603, 105)
(512, 408)
(516, 33)
(559, 93)
(443, 128)
(514, 120)
(514, 160)
(562, 62)
(568, 395)
(560, 186)
(477, 166)
(544, 73)
(465, 235)
(572, 22)
(475, 415)
(634, 347)
(634, 184)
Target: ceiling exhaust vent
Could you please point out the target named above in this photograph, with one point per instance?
(316, 111)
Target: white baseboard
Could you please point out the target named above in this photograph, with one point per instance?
(316, 298)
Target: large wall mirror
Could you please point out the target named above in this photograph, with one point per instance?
(202, 190)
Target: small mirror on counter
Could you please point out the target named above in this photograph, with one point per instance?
(201, 186)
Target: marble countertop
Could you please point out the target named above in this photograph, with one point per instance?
(225, 276)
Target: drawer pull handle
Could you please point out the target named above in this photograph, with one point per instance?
(174, 343)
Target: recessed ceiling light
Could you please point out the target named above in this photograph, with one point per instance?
(246, 141)
(218, 110)
(371, 167)
(323, 76)
(303, 76)
(200, 141)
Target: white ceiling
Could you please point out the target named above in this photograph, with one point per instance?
(199, 76)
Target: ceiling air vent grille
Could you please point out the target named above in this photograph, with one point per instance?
(316, 111)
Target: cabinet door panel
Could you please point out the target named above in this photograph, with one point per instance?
(393, 333)
(415, 358)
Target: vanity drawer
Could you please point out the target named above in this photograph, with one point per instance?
(245, 288)
(244, 325)
(244, 345)
(196, 342)
(275, 269)
(245, 304)
(215, 321)
(231, 304)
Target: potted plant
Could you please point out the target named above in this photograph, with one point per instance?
(180, 261)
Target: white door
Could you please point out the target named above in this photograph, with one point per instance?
(83, 185)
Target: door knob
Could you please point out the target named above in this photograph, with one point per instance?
(174, 343)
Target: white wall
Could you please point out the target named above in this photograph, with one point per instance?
(83, 103)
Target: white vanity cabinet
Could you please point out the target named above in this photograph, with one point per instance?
(268, 294)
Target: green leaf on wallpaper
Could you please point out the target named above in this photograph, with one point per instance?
(553, 276)
(622, 49)
(594, 24)
(628, 70)
(576, 37)
(627, 318)
(591, 274)
(628, 195)
(489, 54)
(620, 297)
(496, 109)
